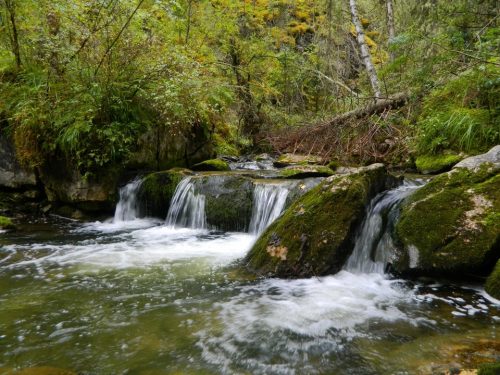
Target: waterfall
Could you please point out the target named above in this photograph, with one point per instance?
(374, 245)
(187, 208)
(127, 207)
(268, 204)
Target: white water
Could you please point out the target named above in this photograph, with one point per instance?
(172, 275)
(187, 209)
(268, 203)
(127, 207)
(374, 245)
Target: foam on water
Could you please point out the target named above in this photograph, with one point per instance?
(306, 315)
(138, 248)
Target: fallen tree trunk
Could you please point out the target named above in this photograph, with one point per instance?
(381, 105)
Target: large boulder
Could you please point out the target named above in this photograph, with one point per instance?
(228, 200)
(452, 225)
(316, 234)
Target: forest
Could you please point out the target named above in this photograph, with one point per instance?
(84, 80)
(249, 187)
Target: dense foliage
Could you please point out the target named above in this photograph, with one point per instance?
(84, 80)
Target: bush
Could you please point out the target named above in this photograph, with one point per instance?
(463, 115)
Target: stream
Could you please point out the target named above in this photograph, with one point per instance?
(145, 296)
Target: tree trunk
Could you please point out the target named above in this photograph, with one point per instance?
(365, 52)
(188, 26)
(390, 23)
(15, 38)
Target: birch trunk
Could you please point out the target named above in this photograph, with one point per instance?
(365, 52)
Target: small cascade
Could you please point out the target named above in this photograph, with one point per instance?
(187, 209)
(268, 204)
(127, 208)
(374, 245)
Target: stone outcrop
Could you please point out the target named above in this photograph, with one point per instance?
(12, 174)
(452, 225)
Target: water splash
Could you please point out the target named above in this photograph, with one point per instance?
(374, 245)
(127, 208)
(187, 209)
(268, 203)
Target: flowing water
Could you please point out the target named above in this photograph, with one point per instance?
(269, 202)
(143, 297)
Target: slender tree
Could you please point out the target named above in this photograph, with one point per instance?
(390, 22)
(365, 52)
(10, 5)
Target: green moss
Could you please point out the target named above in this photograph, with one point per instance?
(429, 164)
(157, 190)
(333, 165)
(6, 223)
(306, 171)
(315, 234)
(489, 369)
(492, 285)
(295, 159)
(447, 224)
(211, 165)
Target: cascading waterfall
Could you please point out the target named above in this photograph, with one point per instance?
(187, 208)
(268, 203)
(127, 208)
(374, 245)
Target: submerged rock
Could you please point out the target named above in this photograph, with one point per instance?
(452, 224)
(315, 235)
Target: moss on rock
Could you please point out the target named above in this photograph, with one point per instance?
(431, 164)
(449, 227)
(216, 165)
(296, 159)
(298, 172)
(315, 234)
(157, 190)
(492, 285)
(6, 223)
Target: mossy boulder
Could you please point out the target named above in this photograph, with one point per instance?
(452, 225)
(286, 160)
(492, 285)
(228, 200)
(305, 171)
(6, 223)
(216, 165)
(316, 234)
(157, 189)
(432, 164)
